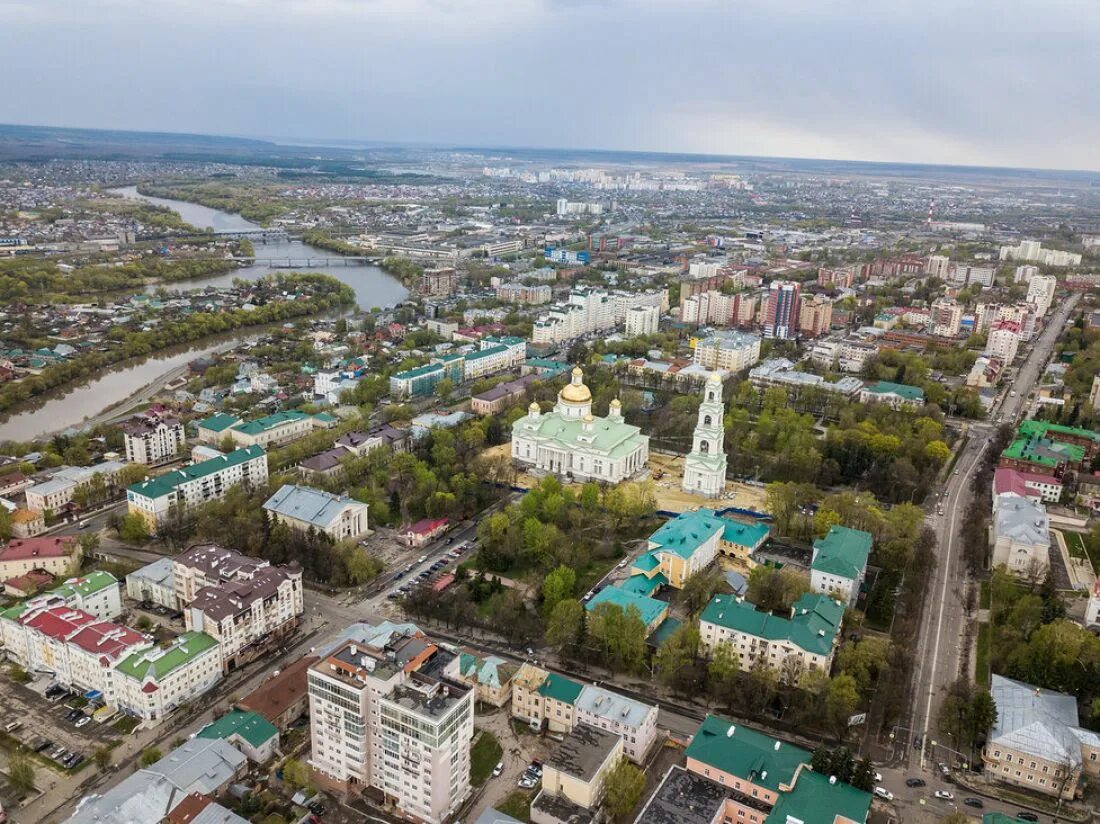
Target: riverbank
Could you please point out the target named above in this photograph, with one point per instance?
(316, 294)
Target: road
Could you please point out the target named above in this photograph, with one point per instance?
(945, 621)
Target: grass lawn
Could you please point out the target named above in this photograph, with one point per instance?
(484, 755)
(985, 595)
(587, 577)
(981, 674)
(1076, 546)
(126, 724)
(517, 804)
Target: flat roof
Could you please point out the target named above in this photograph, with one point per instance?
(583, 751)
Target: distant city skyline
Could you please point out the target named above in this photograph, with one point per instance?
(918, 82)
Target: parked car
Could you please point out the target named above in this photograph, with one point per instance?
(498, 769)
(316, 807)
(945, 795)
(878, 777)
(945, 771)
(976, 803)
(1026, 815)
(882, 792)
(914, 782)
(526, 783)
(82, 721)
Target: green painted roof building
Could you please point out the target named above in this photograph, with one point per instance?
(249, 731)
(812, 627)
(840, 561)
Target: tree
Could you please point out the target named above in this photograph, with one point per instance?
(296, 775)
(558, 585)
(623, 789)
(149, 756)
(362, 566)
(565, 624)
(841, 700)
(698, 589)
(675, 658)
(863, 660)
(21, 773)
(444, 389)
(103, 757)
(864, 776)
(723, 672)
(775, 589)
(133, 529)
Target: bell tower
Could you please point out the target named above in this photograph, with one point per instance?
(705, 466)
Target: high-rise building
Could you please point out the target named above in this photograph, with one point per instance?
(1003, 341)
(781, 313)
(642, 320)
(936, 266)
(150, 438)
(1032, 251)
(1026, 272)
(946, 318)
(815, 316)
(1040, 291)
(385, 718)
(705, 466)
(731, 351)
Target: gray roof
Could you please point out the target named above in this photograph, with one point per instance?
(159, 572)
(313, 506)
(491, 816)
(612, 706)
(1022, 521)
(217, 814)
(1038, 722)
(199, 765)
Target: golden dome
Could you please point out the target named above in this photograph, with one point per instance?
(714, 378)
(616, 403)
(576, 392)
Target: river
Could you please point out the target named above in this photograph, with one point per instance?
(88, 401)
(373, 287)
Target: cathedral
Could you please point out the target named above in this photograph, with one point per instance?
(571, 443)
(705, 467)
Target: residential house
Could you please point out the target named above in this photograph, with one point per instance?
(58, 555)
(249, 732)
(151, 683)
(840, 562)
(153, 583)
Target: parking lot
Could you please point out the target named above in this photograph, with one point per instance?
(49, 726)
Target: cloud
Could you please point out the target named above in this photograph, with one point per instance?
(934, 81)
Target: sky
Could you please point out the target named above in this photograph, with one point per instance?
(977, 82)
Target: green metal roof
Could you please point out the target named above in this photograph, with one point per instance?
(1044, 451)
(86, 584)
(813, 625)
(642, 585)
(842, 552)
(815, 801)
(270, 422)
(747, 535)
(746, 753)
(218, 422)
(560, 688)
(1045, 429)
(484, 353)
(651, 610)
(688, 531)
(251, 726)
(910, 393)
(164, 484)
(158, 663)
(664, 631)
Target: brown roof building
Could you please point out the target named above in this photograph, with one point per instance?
(282, 699)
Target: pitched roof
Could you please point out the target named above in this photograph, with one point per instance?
(909, 393)
(1046, 429)
(560, 688)
(688, 531)
(251, 726)
(1038, 722)
(842, 552)
(813, 625)
(269, 422)
(816, 800)
(21, 549)
(159, 662)
(312, 506)
(164, 484)
(218, 422)
(650, 609)
(612, 706)
(1022, 521)
(746, 753)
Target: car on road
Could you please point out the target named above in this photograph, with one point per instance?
(882, 792)
(422, 559)
(82, 525)
(498, 769)
(526, 783)
(914, 782)
(878, 778)
(976, 803)
(944, 794)
(85, 720)
(945, 771)
(316, 807)
(1025, 815)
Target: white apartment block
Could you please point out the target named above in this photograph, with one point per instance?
(965, 274)
(642, 320)
(586, 311)
(151, 442)
(1026, 272)
(1032, 251)
(937, 266)
(633, 721)
(730, 351)
(623, 302)
(495, 355)
(568, 208)
(196, 484)
(1003, 342)
(383, 717)
(1040, 291)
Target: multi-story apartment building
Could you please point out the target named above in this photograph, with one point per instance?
(153, 583)
(155, 499)
(815, 316)
(278, 428)
(586, 311)
(421, 381)
(495, 355)
(304, 508)
(842, 278)
(58, 492)
(946, 318)
(153, 439)
(937, 266)
(1032, 251)
(781, 372)
(642, 320)
(248, 618)
(963, 274)
(438, 282)
(623, 302)
(782, 311)
(1025, 273)
(210, 565)
(1040, 291)
(98, 593)
(530, 294)
(1037, 742)
(151, 683)
(736, 774)
(1003, 341)
(792, 646)
(1021, 536)
(568, 208)
(731, 351)
(384, 718)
